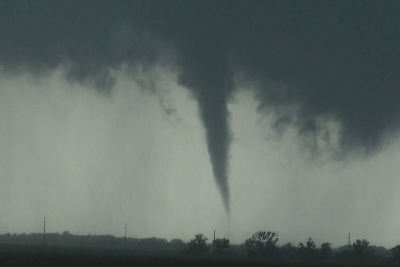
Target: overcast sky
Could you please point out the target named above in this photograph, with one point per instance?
(181, 117)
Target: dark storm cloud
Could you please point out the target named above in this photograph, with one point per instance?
(86, 37)
(335, 59)
(309, 59)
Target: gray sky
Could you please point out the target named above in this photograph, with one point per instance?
(183, 117)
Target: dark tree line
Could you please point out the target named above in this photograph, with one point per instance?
(198, 245)
(263, 245)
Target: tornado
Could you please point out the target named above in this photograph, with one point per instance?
(209, 78)
(214, 114)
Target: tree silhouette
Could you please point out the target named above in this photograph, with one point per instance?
(325, 250)
(396, 253)
(262, 243)
(288, 252)
(198, 245)
(307, 251)
(310, 244)
(177, 243)
(360, 249)
(220, 245)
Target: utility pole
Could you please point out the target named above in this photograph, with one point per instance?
(349, 243)
(44, 231)
(214, 240)
(125, 238)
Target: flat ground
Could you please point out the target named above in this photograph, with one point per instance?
(24, 258)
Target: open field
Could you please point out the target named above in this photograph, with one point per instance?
(99, 258)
